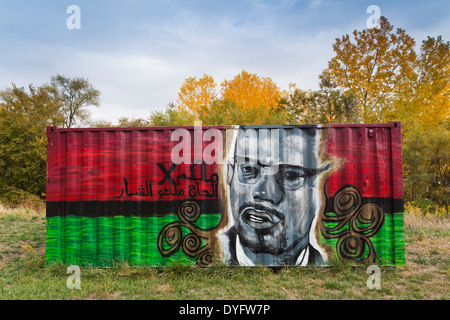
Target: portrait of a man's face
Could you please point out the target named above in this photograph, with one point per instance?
(273, 178)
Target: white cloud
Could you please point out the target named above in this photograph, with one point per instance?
(314, 3)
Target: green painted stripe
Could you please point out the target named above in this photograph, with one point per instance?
(102, 240)
(99, 241)
(388, 243)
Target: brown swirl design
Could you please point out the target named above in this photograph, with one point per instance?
(205, 258)
(363, 221)
(171, 236)
(350, 246)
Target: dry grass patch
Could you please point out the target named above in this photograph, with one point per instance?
(23, 274)
(22, 212)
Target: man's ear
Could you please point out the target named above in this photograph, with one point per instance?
(230, 172)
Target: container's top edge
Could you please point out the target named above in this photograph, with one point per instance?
(304, 126)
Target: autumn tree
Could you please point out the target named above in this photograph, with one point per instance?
(371, 66)
(195, 93)
(422, 103)
(424, 106)
(245, 89)
(250, 91)
(75, 95)
(423, 99)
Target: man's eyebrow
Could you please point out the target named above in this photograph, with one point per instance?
(246, 160)
(253, 161)
(286, 165)
(294, 166)
(308, 171)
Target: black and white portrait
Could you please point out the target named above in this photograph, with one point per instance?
(273, 191)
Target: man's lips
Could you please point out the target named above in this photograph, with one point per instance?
(260, 218)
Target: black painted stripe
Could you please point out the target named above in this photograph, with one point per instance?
(126, 208)
(388, 205)
(161, 208)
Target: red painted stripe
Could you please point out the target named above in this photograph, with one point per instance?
(102, 164)
(373, 165)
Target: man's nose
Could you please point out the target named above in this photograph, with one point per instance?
(268, 189)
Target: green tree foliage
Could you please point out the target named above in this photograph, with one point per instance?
(24, 115)
(102, 123)
(218, 112)
(75, 95)
(326, 105)
(172, 116)
(133, 122)
(226, 112)
(25, 112)
(122, 122)
(426, 157)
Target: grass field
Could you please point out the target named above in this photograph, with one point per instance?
(23, 274)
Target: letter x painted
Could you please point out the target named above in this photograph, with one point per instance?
(167, 173)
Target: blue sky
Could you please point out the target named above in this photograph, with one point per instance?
(138, 53)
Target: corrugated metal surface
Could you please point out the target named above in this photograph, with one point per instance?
(275, 195)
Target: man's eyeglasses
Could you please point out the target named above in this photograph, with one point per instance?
(288, 176)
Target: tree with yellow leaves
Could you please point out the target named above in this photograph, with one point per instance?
(246, 89)
(372, 66)
(423, 100)
(195, 93)
(250, 91)
(247, 98)
(393, 82)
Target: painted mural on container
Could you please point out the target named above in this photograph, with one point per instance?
(242, 195)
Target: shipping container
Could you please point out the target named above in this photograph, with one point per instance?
(240, 195)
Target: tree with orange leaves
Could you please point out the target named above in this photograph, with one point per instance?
(195, 93)
(250, 91)
(372, 66)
